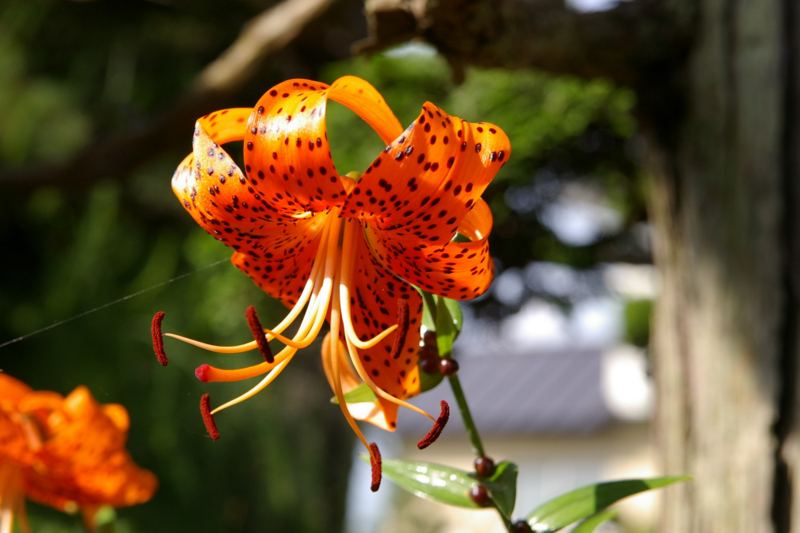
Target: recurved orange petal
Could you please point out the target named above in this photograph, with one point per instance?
(459, 271)
(287, 141)
(429, 178)
(274, 249)
(365, 101)
(226, 125)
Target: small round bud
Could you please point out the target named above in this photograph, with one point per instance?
(448, 367)
(429, 339)
(480, 495)
(429, 352)
(521, 526)
(484, 466)
(430, 365)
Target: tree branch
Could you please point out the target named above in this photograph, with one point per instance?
(624, 43)
(267, 34)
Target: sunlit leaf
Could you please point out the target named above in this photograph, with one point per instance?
(455, 313)
(445, 329)
(428, 309)
(431, 481)
(586, 501)
(362, 393)
(591, 523)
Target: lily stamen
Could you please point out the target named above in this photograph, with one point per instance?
(312, 321)
(402, 328)
(158, 338)
(437, 428)
(274, 373)
(208, 417)
(372, 448)
(258, 333)
(375, 462)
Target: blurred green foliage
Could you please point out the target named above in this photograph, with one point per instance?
(71, 72)
(638, 314)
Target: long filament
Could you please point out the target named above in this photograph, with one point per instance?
(334, 363)
(348, 255)
(288, 319)
(317, 311)
(239, 374)
(348, 259)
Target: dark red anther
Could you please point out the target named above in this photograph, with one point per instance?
(448, 367)
(484, 466)
(258, 334)
(480, 495)
(375, 461)
(437, 428)
(158, 338)
(208, 418)
(521, 526)
(201, 372)
(402, 328)
(429, 339)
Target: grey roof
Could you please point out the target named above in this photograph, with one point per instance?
(550, 393)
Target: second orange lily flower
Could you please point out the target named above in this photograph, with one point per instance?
(67, 453)
(346, 248)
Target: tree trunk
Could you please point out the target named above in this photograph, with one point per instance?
(720, 110)
(717, 205)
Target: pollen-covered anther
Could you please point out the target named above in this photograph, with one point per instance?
(258, 334)
(208, 418)
(158, 338)
(402, 328)
(375, 461)
(437, 428)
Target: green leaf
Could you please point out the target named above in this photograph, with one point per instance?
(428, 309)
(586, 501)
(503, 487)
(362, 393)
(455, 313)
(591, 523)
(429, 381)
(431, 481)
(445, 329)
(430, 314)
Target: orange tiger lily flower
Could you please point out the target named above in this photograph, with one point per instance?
(68, 453)
(346, 248)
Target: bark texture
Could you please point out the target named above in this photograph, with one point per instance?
(717, 82)
(717, 207)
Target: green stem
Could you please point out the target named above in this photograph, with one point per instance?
(469, 424)
(506, 522)
(445, 334)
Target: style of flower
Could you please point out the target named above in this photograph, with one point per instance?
(346, 248)
(68, 453)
